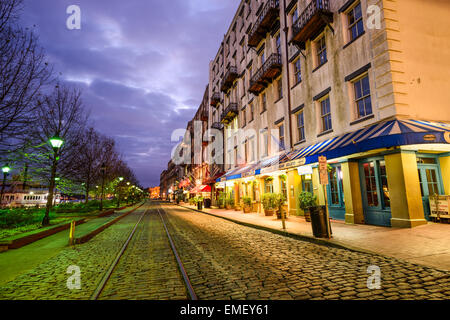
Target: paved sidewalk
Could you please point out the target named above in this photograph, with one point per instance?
(427, 245)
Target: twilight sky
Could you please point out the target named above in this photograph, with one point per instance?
(142, 66)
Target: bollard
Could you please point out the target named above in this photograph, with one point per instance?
(72, 233)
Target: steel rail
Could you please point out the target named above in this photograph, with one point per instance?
(187, 282)
(108, 274)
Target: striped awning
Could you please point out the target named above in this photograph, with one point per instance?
(382, 135)
(385, 134)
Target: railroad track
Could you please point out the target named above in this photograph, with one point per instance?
(109, 273)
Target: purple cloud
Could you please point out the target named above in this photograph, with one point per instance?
(142, 65)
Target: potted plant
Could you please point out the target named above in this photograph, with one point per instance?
(229, 203)
(307, 201)
(237, 207)
(199, 202)
(269, 204)
(221, 200)
(247, 204)
(280, 199)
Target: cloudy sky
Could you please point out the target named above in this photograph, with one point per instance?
(142, 66)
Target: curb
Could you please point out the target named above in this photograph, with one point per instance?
(33, 237)
(95, 232)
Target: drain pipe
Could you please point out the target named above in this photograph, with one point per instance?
(285, 30)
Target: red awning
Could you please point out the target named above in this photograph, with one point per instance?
(200, 189)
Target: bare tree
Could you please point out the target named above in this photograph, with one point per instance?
(23, 72)
(60, 114)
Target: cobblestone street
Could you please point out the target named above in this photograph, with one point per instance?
(223, 261)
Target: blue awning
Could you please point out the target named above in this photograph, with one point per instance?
(382, 135)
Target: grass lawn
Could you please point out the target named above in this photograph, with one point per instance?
(6, 233)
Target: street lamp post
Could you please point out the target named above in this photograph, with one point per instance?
(5, 170)
(56, 143)
(103, 170)
(118, 191)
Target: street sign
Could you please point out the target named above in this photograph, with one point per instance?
(323, 171)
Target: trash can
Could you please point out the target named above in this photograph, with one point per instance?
(207, 203)
(319, 221)
(200, 205)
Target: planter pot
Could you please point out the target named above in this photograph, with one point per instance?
(221, 206)
(247, 209)
(228, 207)
(200, 205)
(268, 212)
(255, 207)
(307, 216)
(237, 208)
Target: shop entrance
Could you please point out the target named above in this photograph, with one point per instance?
(375, 192)
(430, 180)
(335, 193)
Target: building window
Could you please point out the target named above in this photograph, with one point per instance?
(321, 51)
(362, 97)
(325, 114)
(246, 151)
(281, 136)
(301, 126)
(294, 15)
(244, 118)
(278, 43)
(263, 102)
(297, 71)
(262, 58)
(235, 156)
(268, 186)
(280, 88)
(355, 22)
(252, 112)
(265, 144)
(252, 147)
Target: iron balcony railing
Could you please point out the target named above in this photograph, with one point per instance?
(265, 75)
(314, 17)
(215, 99)
(228, 79)
(217, 126)
(268, 15)
(230, 113)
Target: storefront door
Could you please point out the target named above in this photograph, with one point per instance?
(430, 181)
(335, 193)
(375, 192)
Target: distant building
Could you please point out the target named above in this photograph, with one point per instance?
(155, 193)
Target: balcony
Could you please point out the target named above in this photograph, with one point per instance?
(230, 113)
(264, 22)
(204, 115)
(228, 79)
(215, 99)
(311, 22)
(265, 75)
(217, 126)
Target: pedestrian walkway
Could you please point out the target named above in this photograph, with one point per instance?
(427, 245)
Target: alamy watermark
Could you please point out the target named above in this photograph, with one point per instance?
(74, 281)
(73, 22)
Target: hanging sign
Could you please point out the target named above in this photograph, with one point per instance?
(323, 171)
